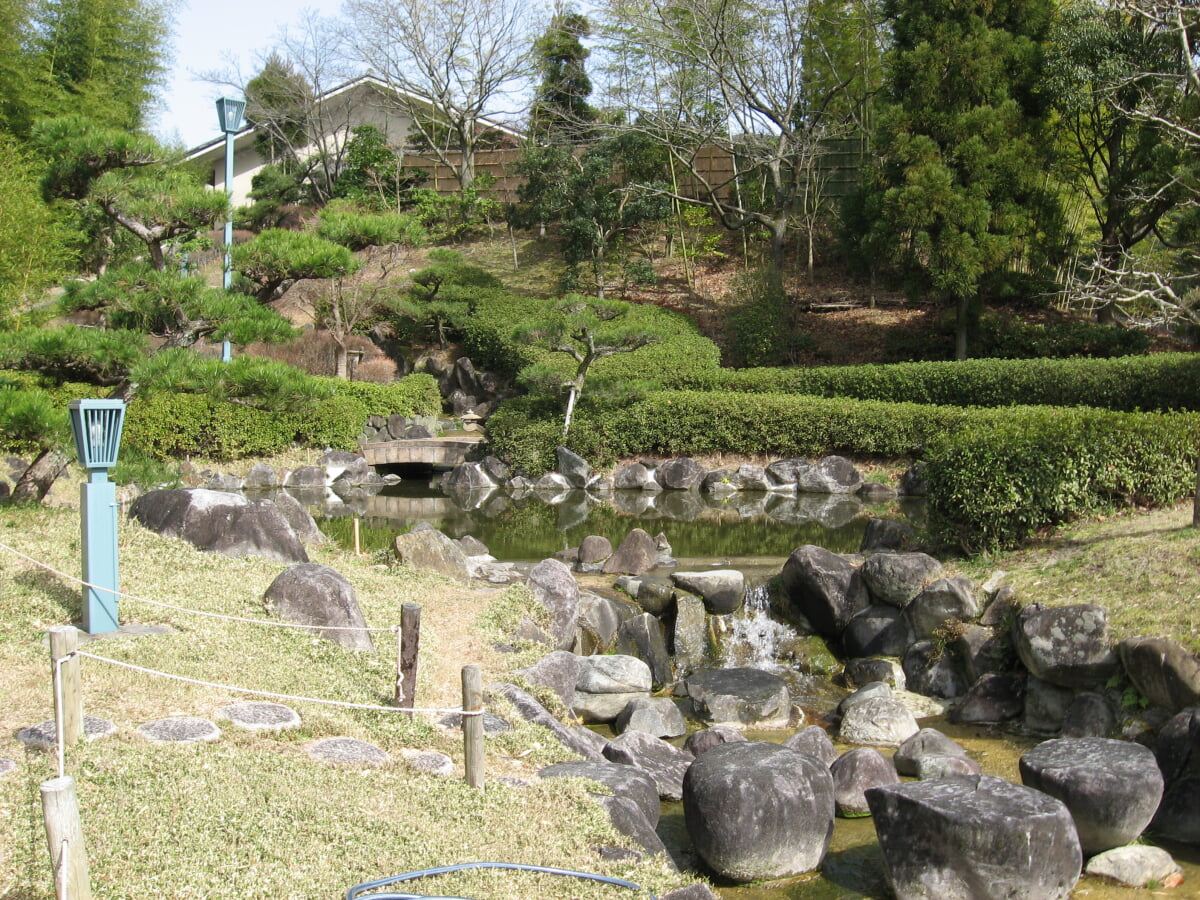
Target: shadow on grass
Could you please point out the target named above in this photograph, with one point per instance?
(69, 597)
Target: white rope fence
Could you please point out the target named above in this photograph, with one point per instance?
(391, 629)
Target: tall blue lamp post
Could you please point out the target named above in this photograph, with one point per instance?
(229, 114)
(96, 425)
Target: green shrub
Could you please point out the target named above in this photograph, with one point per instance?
(999, 338)
(30, 422)
(335, 424)
(357, 231)
(760, 330)
(997, 483)
(413, 395)
(1162, 381)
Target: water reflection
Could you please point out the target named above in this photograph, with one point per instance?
(533, 525)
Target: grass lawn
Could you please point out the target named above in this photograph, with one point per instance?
(252, 815)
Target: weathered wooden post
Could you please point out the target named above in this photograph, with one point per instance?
(68, 695)
(472, 725)
(410, 645)
(64, 834)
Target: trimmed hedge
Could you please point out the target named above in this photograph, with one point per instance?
(998, 482)
(1161, 382)
(175, 425)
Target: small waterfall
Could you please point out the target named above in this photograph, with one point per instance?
(754, 637)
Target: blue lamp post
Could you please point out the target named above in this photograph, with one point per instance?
(229, 115)
(96, 425)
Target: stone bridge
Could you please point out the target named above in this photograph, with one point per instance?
(439, 453)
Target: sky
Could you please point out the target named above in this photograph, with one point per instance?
(219, 34)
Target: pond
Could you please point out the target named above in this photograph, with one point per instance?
(754, 533)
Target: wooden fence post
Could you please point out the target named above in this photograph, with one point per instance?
(410, 645)
(64, 834)
(64, 640)
(472, 726)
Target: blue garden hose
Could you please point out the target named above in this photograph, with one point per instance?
(358, 892)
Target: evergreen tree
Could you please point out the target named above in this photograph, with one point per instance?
(561, 112)
(965, 199)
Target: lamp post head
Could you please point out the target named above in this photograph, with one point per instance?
(96, 425)
(229, 114)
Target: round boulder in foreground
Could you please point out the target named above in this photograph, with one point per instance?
(756, 810)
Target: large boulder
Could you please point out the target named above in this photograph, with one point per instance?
(824, 588)
(739, 697)
(553, 586)
(943, 600)
(974, 838)
(682, 474)
(722, 590)
(815, 741)
(853, 773)
(558, 671)
(642, 636)
(756, 810)
(875, 718)
(613, 674)
(897, 578)
(1163, 671)
(428, 550)
(573, 467)
(635, 477)
(663, 762)
(657, 716)
(706, 738)
(299, 518)
(1177, 750)
(932, 672)
(831, 475)
(1067, 646)
(221, 522)
(926, 742)
(994, 698)
(878, 630)
(1112, 788)
(578, 739)
(599, 619)
(689, 634)
(637, 554)
(627, 781)
(312, 594)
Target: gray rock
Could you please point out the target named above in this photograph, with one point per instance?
(1002, 611)
(824, 588)
(689, 634)
(1136, 867)
(347, 751)
(785, 472)
(994, 698)
(553, 483)
(938, 765)
(758, 811)
(259, 716)
(637, 555)
(496, 469)
(635, 477)
(599, 619)
(558, 671)
(221, 481)
(613, 674)
(706, 738)
(1067, 646)
(428, 550)
(472, 546)
(815, 741)
(682, 474)
(224, 523)
(573, 467)
(428, 762)
(44, 735)
(656, 595)
(307, 477)
(697, 891)
(602, 709)
(581, 740)
(467, 477)
(831, 475)
(1112, 788)
(661, 761)
(722, 590)
(877, 721)
(926, 742)
(982, 650)
(979, 838)
(594, 549)
(316, 595)
(897, 578)
(260, 477)
(887, 535)
(878, 630)
(1088, 715)
(1045, 705)
(301, 520)
(858, 672)
(628, 819)
(553, 586)
(932, 672)
(1178, 816)
(1162, 670)
(853, 773)
(656, 716)
(913, 482)
(944, 600)
(739, 697)
(642, 636)
(625, 781)
(874, 493)
(180, 730)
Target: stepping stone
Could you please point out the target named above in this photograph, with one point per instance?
(429, 761)
(180, 730)
(257, 716)
(7, 766)
(492, 723)
(44, 736)
(347, 751)
(1136, 866)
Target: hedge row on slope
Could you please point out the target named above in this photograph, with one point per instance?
(171, 425)
(1169, 381)
(999, 481)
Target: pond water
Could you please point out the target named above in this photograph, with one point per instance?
(753, 533)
